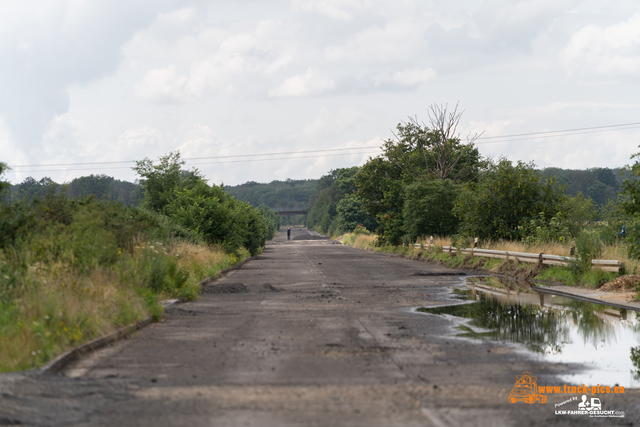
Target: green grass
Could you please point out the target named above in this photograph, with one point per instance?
(82, 270)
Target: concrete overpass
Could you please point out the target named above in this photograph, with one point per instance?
(291, 211)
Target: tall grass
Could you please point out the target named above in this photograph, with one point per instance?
(590, 277)
(81, 270)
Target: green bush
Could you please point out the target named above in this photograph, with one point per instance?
(186, 198)
(589, 247)
(540, 230)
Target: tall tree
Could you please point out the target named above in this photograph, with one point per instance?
(631, 205)
(160, 181)
(505, 198)
(434, 150)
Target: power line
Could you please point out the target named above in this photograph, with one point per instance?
(547, 136)
(204, 163)
(358, 150)
(206, 158)
(557, 131)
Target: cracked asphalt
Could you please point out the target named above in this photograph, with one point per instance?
(310, 333)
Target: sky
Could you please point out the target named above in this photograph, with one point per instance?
(89, 87)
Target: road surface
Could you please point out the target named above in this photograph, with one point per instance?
(311, 333)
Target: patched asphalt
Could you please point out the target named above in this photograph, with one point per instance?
(310, 333)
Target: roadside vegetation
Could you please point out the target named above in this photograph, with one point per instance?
(572, 275)
(73, 269)
(429, 183)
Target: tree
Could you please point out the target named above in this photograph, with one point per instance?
(380, 186)
(351, 214)
(631, 206)
(505, 198)
(323, 204)
(428, 208)
(4, 186)
(162, 180)
(435, 150)
(16, 216)
(97, 185)
(577, 211)
(420, 152)
(30, 189)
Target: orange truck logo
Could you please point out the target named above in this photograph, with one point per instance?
(526, 390)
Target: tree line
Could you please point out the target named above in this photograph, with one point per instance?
(164, 190)
(428, 182)
(102, 187)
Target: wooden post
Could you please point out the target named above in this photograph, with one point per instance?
(472, 245)
(541, 295)
(540, 260)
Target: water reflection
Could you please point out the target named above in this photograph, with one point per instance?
(539, 327)
(561, 330)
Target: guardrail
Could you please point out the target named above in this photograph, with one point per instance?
(547, 259)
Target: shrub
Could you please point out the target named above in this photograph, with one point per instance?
(589, 247)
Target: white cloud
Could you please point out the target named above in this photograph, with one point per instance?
(341, 10)
(596, 53)
(162, 85)
(399, 39)
(120, 80)
(213, 59)
(308, 84)
(408, 78)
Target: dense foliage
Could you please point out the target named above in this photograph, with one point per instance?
(427, 182)
(630, 205)
(289, 194)
(598, 184)
(428, 208)
(186, 198)
(72, 269)
(505, 197)
(102, 187)
(334, 207)
(276, 194)
(412, 187)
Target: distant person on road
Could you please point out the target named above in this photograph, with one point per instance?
(288, 233)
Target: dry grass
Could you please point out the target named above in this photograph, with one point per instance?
(199, 260)
(552, 248)
(360, 240)
(610, 252)
(437, 241)
(60, 308)
(618, 252)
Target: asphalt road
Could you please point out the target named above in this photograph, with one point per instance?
(311, 333)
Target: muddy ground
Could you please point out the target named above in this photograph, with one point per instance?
(311, 333)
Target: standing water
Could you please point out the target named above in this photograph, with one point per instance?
(604, 338)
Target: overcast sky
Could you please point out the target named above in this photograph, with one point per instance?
(110, 81)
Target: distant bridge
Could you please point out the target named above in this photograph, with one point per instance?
(291, 211)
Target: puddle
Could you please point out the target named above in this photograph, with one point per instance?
(604, 338)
